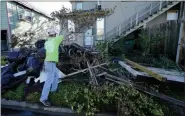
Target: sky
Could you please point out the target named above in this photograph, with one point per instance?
(49, 7)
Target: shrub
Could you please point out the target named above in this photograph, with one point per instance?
(16, 94)
(3, 61)
(126, 100)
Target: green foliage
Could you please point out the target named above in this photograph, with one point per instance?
(102, 46)
(33, 97)
(116, 49)
(80, 97)
(3, 61)
(136, 103)
(144, 44)
(83, 19)
(166, 63)
(16, 94)
(110, 48)
(159, 61)
(148, 43)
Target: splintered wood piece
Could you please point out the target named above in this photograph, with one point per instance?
(93, 79)
(144, 69)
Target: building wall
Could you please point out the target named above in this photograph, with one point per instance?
(77, 38)
(80, 38)
(160, 19)
(163, 17)
(85, 5)
(21, 28)
(89, 5)
(123, 11)
(4, 21)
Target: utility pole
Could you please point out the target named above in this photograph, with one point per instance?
(182, 10)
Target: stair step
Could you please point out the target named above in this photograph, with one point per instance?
(170, 3)
(140, 23)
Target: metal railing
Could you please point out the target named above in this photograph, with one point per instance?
(128, 24)
(135, 19)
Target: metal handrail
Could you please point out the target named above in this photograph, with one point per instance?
(136, 19)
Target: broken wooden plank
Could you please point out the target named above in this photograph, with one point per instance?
(104, 73)
(167, 72)
(101, 74)
(129, 69)
(112, 70)
(144, 69)
(92, 75)
(162, 73)
(180, 79)
(118, 78)
(83, 70)
(77, 72)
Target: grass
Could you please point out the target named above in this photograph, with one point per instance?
(3, 61)
(15, 94)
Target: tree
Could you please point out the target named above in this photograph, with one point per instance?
(28, 35)
(82, 19)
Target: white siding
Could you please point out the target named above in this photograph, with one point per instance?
(4, 21)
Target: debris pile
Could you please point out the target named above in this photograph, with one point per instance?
(74, 59)
(27, 62)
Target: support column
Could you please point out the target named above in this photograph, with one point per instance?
(181, 31)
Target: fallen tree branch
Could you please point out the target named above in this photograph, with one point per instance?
(77, 72)
(80, 71)
(104, 73)
(118, 78)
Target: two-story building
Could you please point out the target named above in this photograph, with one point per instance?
(127, 17)
(20, 18)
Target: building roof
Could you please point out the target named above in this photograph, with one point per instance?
(29, 6)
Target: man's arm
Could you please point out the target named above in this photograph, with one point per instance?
(59, 39)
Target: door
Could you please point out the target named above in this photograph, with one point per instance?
(4, 38)
(88, 38)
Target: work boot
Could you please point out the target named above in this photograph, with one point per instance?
(46, 103)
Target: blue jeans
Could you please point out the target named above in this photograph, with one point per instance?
(51, 82)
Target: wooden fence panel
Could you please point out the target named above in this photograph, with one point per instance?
(167, 36)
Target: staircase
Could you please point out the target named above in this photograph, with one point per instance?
(138, 20)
